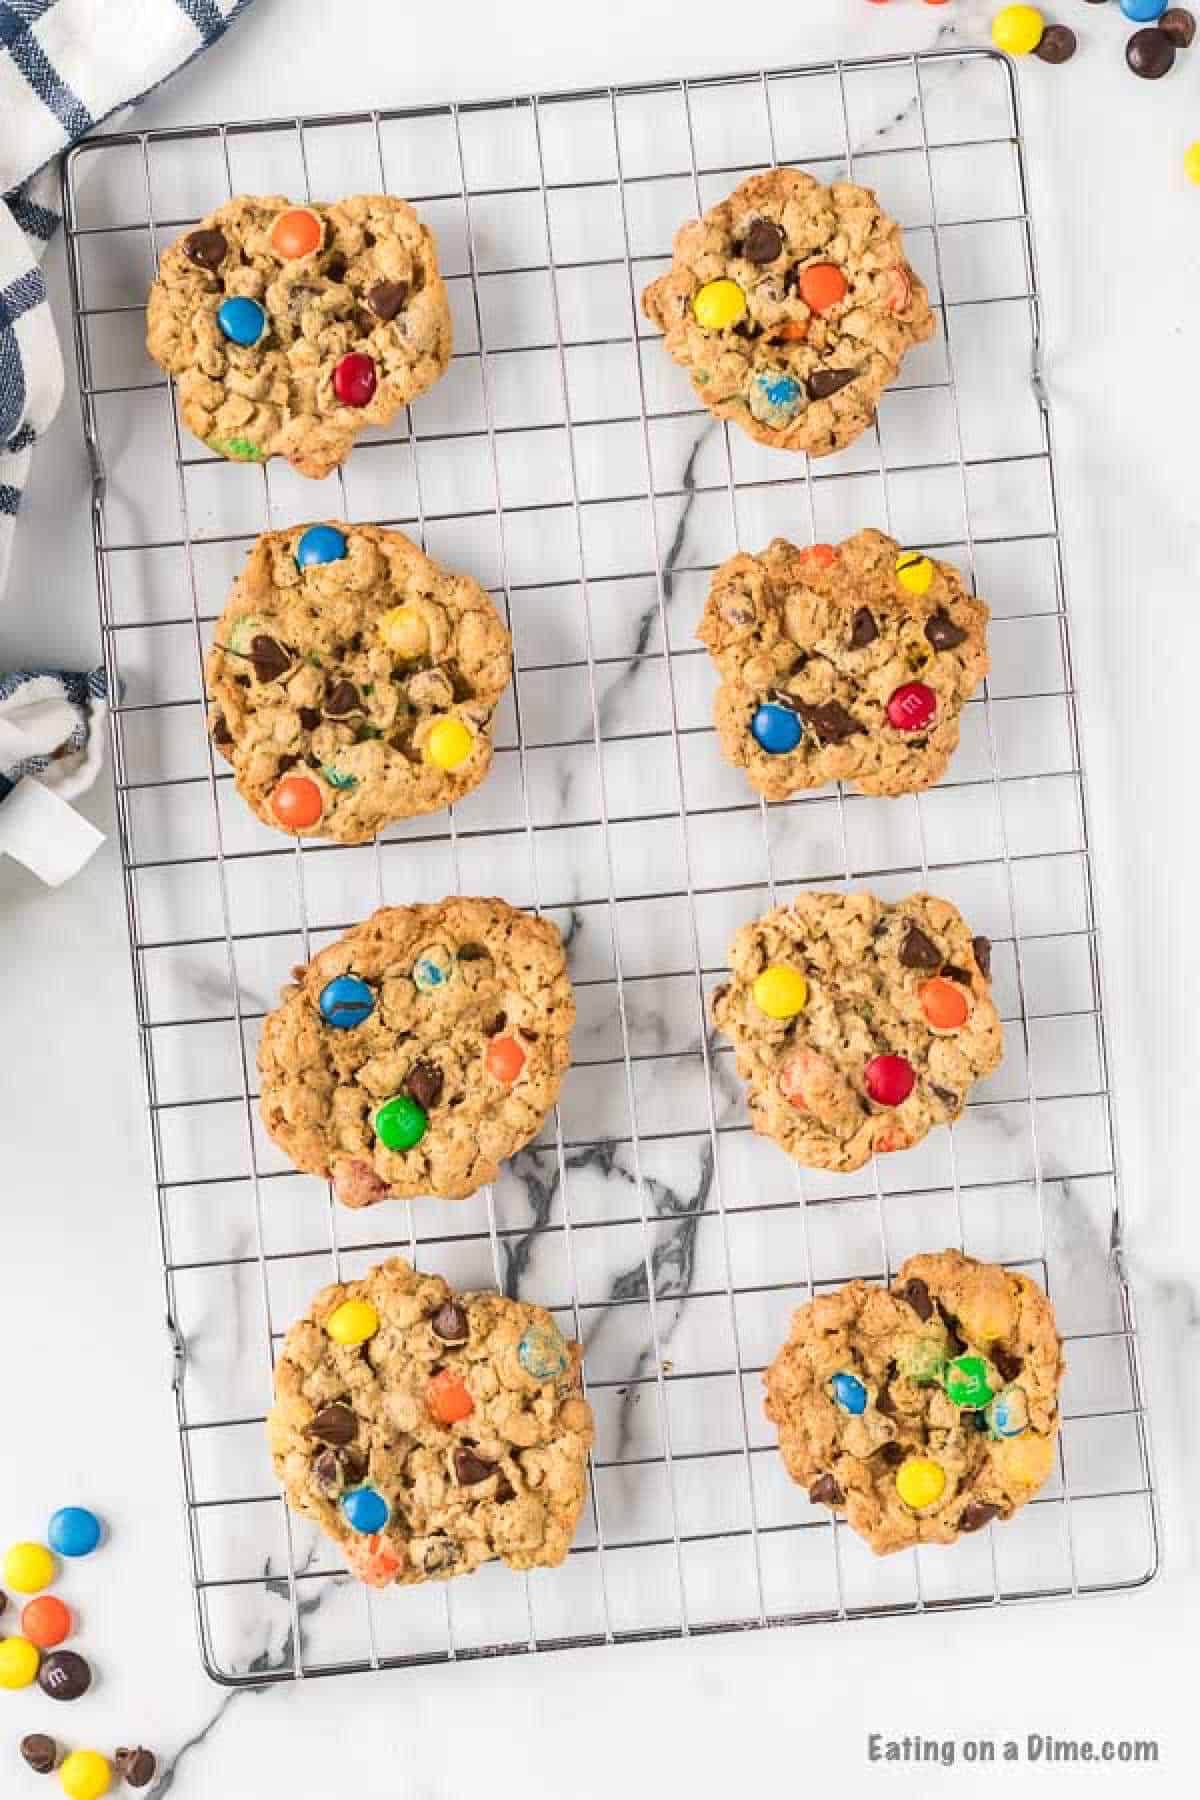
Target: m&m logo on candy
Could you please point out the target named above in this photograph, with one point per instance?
(912, 707)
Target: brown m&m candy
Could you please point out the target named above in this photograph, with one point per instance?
(1150, 53)
(40, 1752)
(764, 242)
(137, 1765)
(1058, 44)
(1179, 25)
(64, 1675)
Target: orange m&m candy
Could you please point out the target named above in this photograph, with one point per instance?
(820, 555)
(822, 285)
(295, 233)
(46, 1621)
(944, 1003)
(296, 802)
(504, 1060)
(447, 1398)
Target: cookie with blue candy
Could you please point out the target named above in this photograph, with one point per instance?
(925, 1411)
(290, 327)
(420, 1050)
(790, 306)
(427, 1432)
(848, 662)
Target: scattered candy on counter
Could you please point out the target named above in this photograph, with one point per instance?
(1180, 26)
(542, 1353)
(19, 1662)
(40, 1752)
(400, 1123)
(1143, 12)
(85, 1775)
(780, 992)
(345, 1002)
(848, 1393)
(320, 544)
(1150, 53)
(889, 1080)
(1018, 29)
(353, 1322)
(365, 1510)
(920, 1482)
(1191, 162)
(65, 1675)
(46, 1621)
(28, 1568)
(776, 729)
(1058, 44)
(73, 1531)
(138, 1765)
(242, 321)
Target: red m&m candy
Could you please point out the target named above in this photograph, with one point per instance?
(912, 707)
(354, 379)
(889, 1080)
(296, 802)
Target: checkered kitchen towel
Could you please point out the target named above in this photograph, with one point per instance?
(64, 66)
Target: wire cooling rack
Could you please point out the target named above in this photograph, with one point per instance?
(564, 463)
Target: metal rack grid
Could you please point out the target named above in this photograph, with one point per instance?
(564, 462)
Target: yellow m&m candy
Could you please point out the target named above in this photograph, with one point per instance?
(781, 992)
(404, 631)
(28, 1568)
(914, 572)
(718, 304)
(1191, 162)
(19, 1662)
(353, 1322)
(1018, 29)
(86, 1775)
(448, 744)
(920, 1482)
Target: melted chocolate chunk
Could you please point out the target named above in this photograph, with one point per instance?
(825, 1492)
(952, 972)
(957, 1342)
(335, 268)
(942, 632)
(310, 718)
(271, 659)
(343, 699)
(386, 298)
(207, 248)
(892, 1454)
(1010, 1366)
(945, 1096)
(824, 383)
(424, 1085)
(764, 242)
(983, 955)
(470, 1470)
(335, 1425)
(976, 1514)
(830, 721)
(287, 761)
(450, 1323)
(220, 730)
(918, 951)
(917, 1295)
(864, 630)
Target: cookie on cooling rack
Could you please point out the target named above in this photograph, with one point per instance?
(790, 305)
(353, 681)
(291, 328)
(857, 1025)
(926, 1411)
(842, 663)
(420, 1050)
(427, 1432)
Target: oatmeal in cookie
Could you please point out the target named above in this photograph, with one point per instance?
(353, 681)
(427, 1432)
(848, 662)
(791, 305)
(857, 1025)
(420, 1050)
(925, 1411)
(291, 327)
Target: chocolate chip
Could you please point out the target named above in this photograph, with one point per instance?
(473, 953)
(470, 1470)
(64, 1675)
(424, 1084)
(976, 1514)
(327, 1473)
(386, 298)
(1150, 53)
(1058, 44)
(884, 1403)
(208, 248)
(824, 383)
(333, 1425)
(220, 730)
(40, 1752)
(957, 1341)
(864, 630)
(335, 268)
(505, 1490)
(942, 632)
(918, 951)
(139, 1766)
(1179, 25)
(830, 721)
(917, 1295)
(945, 1096)
(449, 1323)
(983, 955)
(310, 718)
(287, 761)
(952, 972)
(271, 659)
(892, 1455)
(1010, 1366)
(343, 699)
(825, 1492)
(764, 242)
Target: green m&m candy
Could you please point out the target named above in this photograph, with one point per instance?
(400, 1123)
(966, 1382)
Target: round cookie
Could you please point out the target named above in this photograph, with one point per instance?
(924, 1412)
(857, 1025)
(420, 1050)
(353, 681)
(427, 1432)
(293, 326)
(791, 305)
(846, 663)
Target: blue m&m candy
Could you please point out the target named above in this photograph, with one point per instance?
(1143, 12)
(775, 399)
(1008, 1414)
(242, 321)
(849, 1393)
(542, 1353)
(345, 1002)
(320, 544)
(73, 1531)
(365, 1510)
(776, 729)
(432, 969)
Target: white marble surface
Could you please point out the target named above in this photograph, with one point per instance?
(89, 1414)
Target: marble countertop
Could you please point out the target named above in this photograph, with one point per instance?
(90, 1417)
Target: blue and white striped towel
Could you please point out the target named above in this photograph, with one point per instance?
(64, 66)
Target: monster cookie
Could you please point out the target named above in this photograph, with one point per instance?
(842, 664)
(353, 681)
(924, 1412)
(791, 305)
(290, 328)
(858, 1025)
(418, 1051)
(426, 1431)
